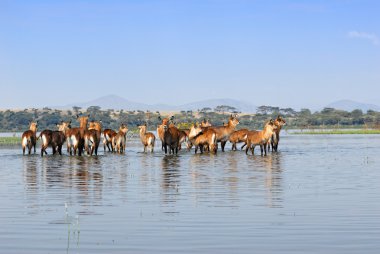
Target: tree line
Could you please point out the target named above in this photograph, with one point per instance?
(18, 120)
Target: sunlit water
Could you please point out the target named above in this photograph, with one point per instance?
(318, 194)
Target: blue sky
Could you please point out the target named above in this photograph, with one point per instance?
(283, 53)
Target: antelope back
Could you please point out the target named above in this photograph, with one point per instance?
(95, 126)
(33, 126)
(83, 120)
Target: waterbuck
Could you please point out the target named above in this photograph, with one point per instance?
(201, 138)
(55, 139)
(254, 138)
(161, 131)
(278, 122)
(223, 132)
(75, 136)
(92, 137)
(108, 134)
(183, 137)
(171, 138)
(205, 123)
(118, 141)
(29, 139)
(237, 137)
(147, 138)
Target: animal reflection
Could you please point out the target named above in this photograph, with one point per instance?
(83, 175)
(268, 174)
(170, 176)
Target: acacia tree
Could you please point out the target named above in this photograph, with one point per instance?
(93, 111)
(267, 110)
(224, 108)
(76, 109)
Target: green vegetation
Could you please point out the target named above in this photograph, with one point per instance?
(304, 120)
(337, 132)
(10, 140)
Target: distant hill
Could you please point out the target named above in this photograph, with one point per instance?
(349, 105)
(239, 105)
(117, 102)
(110, 102)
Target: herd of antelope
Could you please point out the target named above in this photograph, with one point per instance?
(205, 137)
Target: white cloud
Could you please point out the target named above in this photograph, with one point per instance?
(367, 36)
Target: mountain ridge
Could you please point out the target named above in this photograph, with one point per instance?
(350, 105)
(118, 102)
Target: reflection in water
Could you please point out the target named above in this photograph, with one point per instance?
(273, 180)
(32, 184)
(200, 176)
(268, 177)
(232, 177)
(80, 173)
(30, 174)
(170, 178)
(195, 203)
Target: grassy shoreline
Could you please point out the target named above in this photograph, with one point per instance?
(337, 132)
(10, 141)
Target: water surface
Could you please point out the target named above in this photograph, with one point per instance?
(319, 194)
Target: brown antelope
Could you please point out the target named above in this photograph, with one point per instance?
(205, 123)
(260, 138)
(223, 132)
(45, 136)
(147, 138)
(161, 131)
(278, 122)
(92, 137)
(201, 138)
(108, 134)
(118, 141)
(29, 139)
(183, 136)
(55, 139)
(75, 136)
(160, 134)
(237, 137)
(171, 138)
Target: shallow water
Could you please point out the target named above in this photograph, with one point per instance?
(319, 194)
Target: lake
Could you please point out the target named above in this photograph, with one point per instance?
(318, 194)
